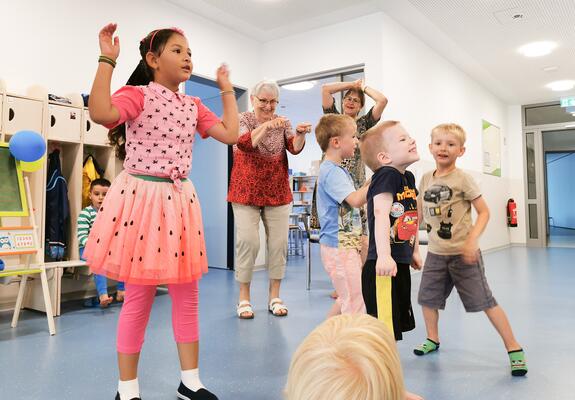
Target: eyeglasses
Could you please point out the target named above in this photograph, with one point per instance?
(266, 102)
(352, 99)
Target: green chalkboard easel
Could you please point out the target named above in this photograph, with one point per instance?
(12, 191)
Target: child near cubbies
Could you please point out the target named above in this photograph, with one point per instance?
(98, 189)
(149, 229)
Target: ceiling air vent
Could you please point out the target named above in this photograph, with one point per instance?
(510, 16)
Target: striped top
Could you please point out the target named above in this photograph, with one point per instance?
(85, 222)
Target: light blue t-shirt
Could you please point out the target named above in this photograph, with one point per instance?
(340, 223)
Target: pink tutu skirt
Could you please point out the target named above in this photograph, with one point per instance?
(148, 233)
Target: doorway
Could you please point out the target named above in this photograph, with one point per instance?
(550, 185)
(211, 169)
(559, 147)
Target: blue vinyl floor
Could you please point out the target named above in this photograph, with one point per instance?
(248, 360)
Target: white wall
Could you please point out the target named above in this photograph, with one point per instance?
(55, 43)
(423, 88)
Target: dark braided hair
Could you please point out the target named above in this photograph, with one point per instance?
(142, 76)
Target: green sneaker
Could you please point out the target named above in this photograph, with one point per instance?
(518, 362)
(426, 347)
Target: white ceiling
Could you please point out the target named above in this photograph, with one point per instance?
(490, 36)
(479, 36)
(265, 20)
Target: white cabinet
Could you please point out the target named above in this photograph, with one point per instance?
(69, 129)
(1, 119)
(94, 133)
(20, 113)
(65, 123)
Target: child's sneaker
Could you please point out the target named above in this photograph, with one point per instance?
(518, 362)
(186, 393)
(91, 302)
(426, 347)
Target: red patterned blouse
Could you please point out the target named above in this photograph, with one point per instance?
(260, 175)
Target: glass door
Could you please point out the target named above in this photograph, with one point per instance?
(210, 174)
(536, 214)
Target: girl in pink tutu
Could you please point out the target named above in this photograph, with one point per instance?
(149, 228)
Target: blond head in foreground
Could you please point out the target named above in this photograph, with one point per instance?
(347, 357)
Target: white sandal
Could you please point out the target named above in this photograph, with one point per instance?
(276, 307)
(244, 306)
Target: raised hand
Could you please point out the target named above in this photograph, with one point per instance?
(109, 44)
(303, 128)
(276, 123)
(223, 78)
(358, 84)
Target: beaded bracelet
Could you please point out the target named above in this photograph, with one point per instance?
(107, 60)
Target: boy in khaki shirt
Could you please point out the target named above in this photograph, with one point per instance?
(454, 259)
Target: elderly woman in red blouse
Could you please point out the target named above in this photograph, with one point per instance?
(259, 189)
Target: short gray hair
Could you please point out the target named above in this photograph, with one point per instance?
(268, 85)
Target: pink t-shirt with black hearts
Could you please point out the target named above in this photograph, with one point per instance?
(160, 127)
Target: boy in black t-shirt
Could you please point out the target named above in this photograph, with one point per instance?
(387, 149)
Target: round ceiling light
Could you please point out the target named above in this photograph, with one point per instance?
(306, 85)
(560, 86)
(537, 49)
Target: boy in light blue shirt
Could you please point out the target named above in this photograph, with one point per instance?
(339, 217)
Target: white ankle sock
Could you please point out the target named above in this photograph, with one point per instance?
(129, 389)
(191, 378)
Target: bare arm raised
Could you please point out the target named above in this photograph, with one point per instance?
(329, 89)
(100, 102)
(228, 130)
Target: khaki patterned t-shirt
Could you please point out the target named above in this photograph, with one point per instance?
(446, 205)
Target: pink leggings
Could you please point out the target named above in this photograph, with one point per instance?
(344, 268)
(135, 314)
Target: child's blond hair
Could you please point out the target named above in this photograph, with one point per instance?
(350, 356)
(452, 128)
(373, 142)
(329, 126)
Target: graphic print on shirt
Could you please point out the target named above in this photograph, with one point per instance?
(438, 195)
(159, 142)
(349, 223)
(405, 224)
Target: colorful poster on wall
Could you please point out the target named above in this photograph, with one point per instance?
(491, 139)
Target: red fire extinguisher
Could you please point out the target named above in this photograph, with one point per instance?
(511, 213)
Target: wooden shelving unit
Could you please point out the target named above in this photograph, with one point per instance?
(66, 127)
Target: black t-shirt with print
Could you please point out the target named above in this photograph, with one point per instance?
(402, 217)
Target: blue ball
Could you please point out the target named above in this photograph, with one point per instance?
(27, 146)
